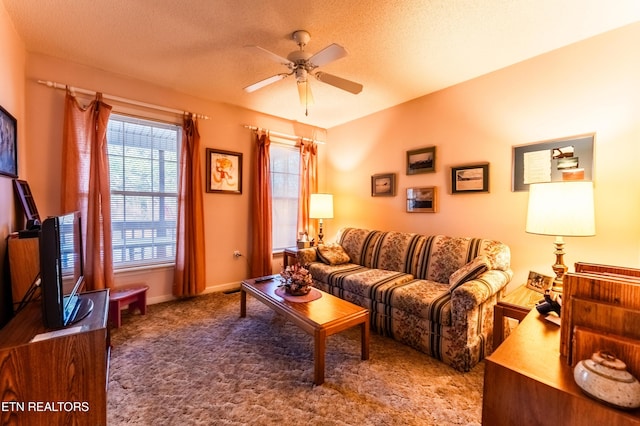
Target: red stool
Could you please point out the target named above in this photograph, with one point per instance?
(135, 296)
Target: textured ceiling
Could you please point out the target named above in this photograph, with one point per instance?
(398, 49)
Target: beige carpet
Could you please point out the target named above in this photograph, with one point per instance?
(196, 362)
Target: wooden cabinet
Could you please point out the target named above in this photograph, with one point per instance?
(528, 382)
(24, 265)
(60, 380)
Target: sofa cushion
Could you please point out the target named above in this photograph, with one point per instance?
(468, 272)
(396, 251)
(359, 244)
(333, 275)
(422, 299)
(441, 256)
(332, 254)
(371, 283)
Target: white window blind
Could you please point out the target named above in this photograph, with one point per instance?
(285, 184)
(143, 166)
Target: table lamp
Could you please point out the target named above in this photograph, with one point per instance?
(321, 207)
(562, 209)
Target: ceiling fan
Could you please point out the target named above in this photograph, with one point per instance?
(302, 64)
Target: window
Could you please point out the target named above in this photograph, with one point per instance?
(285, 184)
(143, 166)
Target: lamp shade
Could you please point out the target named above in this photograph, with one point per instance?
(321, 206)
(561, 209)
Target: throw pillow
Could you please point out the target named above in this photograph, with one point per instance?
(332, 254)
(470, 271)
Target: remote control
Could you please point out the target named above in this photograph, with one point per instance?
(261, 279)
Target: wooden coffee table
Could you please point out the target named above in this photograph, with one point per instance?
(320, 318)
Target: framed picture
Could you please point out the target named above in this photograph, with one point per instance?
(422, 200)
(383, 185)
(471, 178)
(539, 282)
(23, 192)
(421, 160)
(8, 144)
(569, 158)
(224, 171)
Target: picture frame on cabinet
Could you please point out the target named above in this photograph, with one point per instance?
(383, 185)
(224, 171)
(538, 282)
(422, 200)
(8, 144)
(470, 178)
(422, 160)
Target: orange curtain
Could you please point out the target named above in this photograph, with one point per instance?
(190, 272)
(85, 184)
(308, 186)
(262, 245)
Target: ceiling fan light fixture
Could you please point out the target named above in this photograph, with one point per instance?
(304, 92)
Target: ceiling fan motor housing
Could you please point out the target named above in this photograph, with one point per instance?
(301, 37)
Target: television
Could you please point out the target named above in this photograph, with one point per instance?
(62, 271)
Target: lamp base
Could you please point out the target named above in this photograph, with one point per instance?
(559, 267)
(320, 234)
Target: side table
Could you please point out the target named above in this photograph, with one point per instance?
(516, 305)
(290, 252)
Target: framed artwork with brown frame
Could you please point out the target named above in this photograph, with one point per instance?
(383, 185)
(538, 282)
(469, 179)
(224, 171)
(422, 200)
(421, 160)
(8, 144)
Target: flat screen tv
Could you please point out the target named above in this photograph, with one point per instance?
(62, 271)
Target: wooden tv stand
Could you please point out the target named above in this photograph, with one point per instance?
(59, 380)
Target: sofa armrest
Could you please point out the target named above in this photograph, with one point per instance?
(475, 292)
(307, 255)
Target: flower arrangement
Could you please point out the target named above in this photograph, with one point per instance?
(297, 280)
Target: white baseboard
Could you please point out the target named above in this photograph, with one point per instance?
(232, 286)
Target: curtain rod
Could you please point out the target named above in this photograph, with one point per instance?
(283, 135)
(55, 85)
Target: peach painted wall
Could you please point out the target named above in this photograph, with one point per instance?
(12, 67)
(227, 216)
(592, 86)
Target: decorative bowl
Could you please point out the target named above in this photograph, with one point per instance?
(605, 378)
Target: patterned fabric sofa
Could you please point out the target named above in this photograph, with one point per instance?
(433, 293)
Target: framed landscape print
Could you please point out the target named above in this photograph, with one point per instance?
(8, 144)
(383, 185)
(471, 178)
(224, 171)
(422, 200)
(421, 160)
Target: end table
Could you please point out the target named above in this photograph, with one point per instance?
(516, 305)
(291, 252)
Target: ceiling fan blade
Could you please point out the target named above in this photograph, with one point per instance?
(330, 53)
(267, 81)
(274, 57)
(339, 82)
